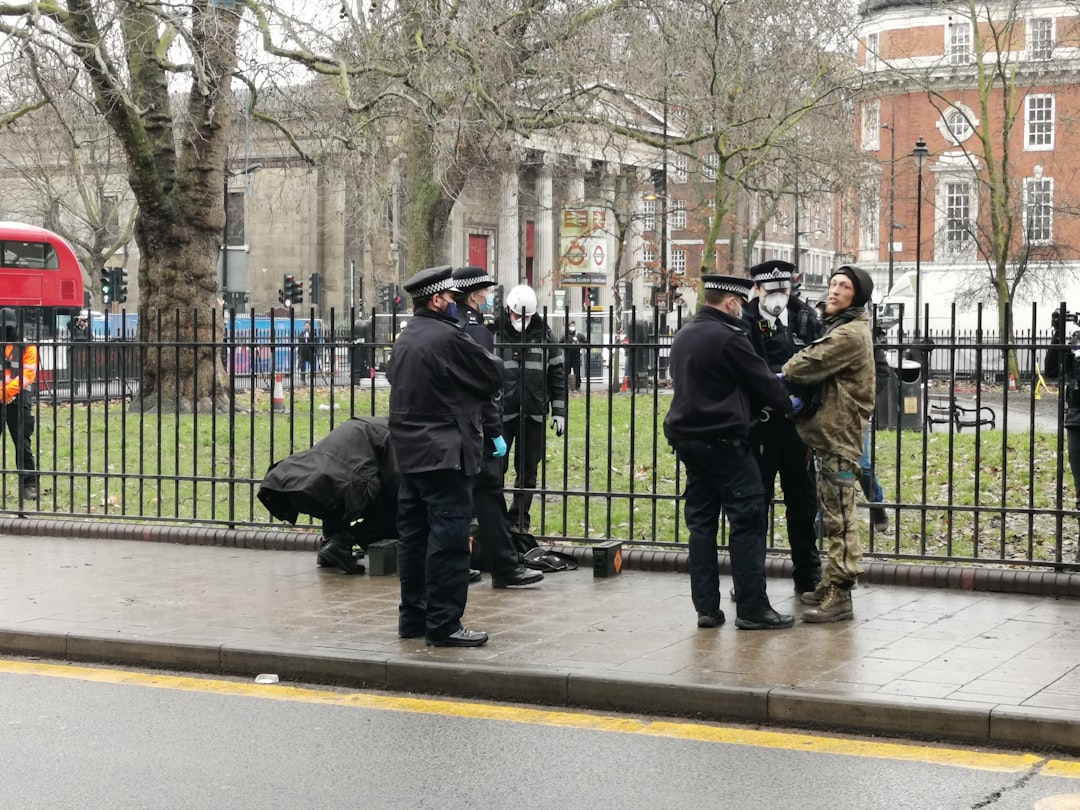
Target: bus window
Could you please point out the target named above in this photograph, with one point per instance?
(32, 255)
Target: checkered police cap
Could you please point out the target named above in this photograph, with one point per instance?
(469, 279)
(771, 271)
(431, 280)
(737, 285)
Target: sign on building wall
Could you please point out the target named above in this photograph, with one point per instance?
(584, 242)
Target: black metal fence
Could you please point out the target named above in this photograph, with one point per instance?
(970, 458)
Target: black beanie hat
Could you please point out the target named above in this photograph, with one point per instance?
(860, 279)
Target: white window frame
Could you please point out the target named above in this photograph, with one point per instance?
(871, 126)
(648, 215)
(677, 216)
(677, 263)
(648, 253)
(1039, 129)
(959, 46)
(873, 43)
(1039, 210)
(677, 165)
(709, 165)
(956, 236)
(870, 232)
(1040, 48)
(957, 113)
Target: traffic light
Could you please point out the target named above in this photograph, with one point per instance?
(281, 296)
(297, 292)
(395, 299)
(315, 287)
(106, 285)
(119, 285)
(287, 287)
(591, 297)
(385, 295)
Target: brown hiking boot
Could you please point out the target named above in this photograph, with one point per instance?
(835, 607)
(813, 597)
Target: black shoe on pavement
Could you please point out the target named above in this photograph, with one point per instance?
(879, 518)
(474, 576)
(462, 638)
(769, 620)
(333, 555)
(409, 633)
(711, 619)
(29, 492)
(519, 576)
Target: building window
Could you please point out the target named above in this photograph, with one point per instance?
(871, 126)
(1040, 38)
(1039, 122)
(648, 253)
(648, 215)
(958, 50)
(677, 215)
(957, 125)
(871, 60)
(708, 166)
(957, 216)
(678, 262)
(1039, 210)
(870, 225)
(679, 172)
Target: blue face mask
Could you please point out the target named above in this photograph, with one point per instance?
(451, 310)
(489, 302)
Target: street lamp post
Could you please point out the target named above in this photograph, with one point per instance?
(920, 154)
(226, 175)
(892, 195)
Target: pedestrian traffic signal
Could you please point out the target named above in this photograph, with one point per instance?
(106, 285)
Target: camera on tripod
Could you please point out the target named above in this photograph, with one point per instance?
(1062, 333)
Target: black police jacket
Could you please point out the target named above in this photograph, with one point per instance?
(535, 377)
(491, 413)
(720, 383)
(440, 379)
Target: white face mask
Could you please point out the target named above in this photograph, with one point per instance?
(519, 323)
(774, 303)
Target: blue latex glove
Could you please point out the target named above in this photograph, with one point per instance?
(796, 405)
(500, 447)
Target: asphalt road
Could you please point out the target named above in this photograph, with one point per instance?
(77, 737)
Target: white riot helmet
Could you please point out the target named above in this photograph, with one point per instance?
(521, 300)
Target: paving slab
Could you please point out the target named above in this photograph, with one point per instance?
(988, 668)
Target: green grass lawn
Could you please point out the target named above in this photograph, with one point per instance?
(991, 496)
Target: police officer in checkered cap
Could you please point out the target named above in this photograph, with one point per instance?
(440, 380)
(720, 386)
(781, 324)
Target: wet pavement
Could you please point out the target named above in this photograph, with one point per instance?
(986, 668)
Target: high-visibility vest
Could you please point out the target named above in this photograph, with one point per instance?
(19, 375)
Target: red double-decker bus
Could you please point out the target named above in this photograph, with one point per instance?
(40, 277)
(40, 272)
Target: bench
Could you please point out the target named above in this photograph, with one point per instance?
(944, 411)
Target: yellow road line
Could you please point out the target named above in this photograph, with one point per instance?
(972, 760)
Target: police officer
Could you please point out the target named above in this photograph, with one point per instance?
(20, 373)
(1063, 362)
(720, 385)
(440, 380)
(534, 382)
(781, 324)
(493, 532)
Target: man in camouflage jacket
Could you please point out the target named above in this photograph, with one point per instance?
(841, 364)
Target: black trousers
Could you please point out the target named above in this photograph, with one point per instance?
(379, 523)
(19, 421)
(525, 438)
(779, 450)
(497, 547)
(434, 510)
(1072, 437)
(721, 474)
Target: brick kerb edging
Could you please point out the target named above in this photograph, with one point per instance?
(996, 579)
(438, 674)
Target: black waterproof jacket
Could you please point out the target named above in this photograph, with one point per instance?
(720, 382)
(440, 378)
(339, 478)
(535, 377)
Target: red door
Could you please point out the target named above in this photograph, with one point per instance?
(478, 250)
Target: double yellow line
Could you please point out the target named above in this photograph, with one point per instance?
(957, 758)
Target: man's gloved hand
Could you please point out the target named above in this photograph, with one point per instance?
(796, 405)
(558, 424)
(500, 447)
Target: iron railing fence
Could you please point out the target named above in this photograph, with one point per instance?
(971, 462)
